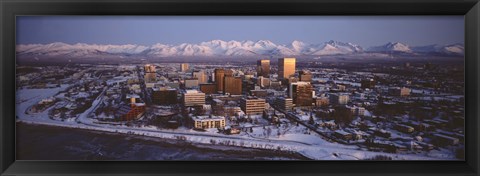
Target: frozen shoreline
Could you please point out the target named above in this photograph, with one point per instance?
(298, 143)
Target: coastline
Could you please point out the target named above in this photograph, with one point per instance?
(219, 151)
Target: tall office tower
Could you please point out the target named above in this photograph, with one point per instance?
(263, 68)
(219, 75)
(228, 72)
(232, 85)
(150, 73)
(201, 76)
(305, 76)
(251, 105)
(286, 67)
(149, 68)
(183, 67)
(301, 93)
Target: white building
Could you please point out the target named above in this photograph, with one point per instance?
(205, 122)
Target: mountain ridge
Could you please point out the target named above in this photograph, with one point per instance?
(232, 48)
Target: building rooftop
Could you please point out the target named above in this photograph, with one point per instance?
(192, 91)
(208, 118)
(162, 88)
(133, 96)
(253, 98)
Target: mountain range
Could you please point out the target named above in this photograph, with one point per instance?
(220, 48)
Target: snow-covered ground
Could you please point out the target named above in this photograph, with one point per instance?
(288, 139)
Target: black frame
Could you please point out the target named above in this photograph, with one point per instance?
(10, 8)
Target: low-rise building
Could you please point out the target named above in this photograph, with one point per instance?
(209, 88)
(164, 96)
(130, 112)
(252, 105)
(191, 83)
(339, 98)
(397, 91)
(193, 98)
(205, 122)
(367, 84)
(356, 111)
(321, 101)
(283, 103)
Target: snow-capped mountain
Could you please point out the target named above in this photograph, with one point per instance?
(454, 49)
(457, 49)
(77, 50)
(220, 48)
(391, 47)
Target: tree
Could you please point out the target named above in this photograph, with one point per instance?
(310, 121)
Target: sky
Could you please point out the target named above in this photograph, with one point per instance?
(366, 31)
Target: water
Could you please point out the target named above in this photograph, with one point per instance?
(38, 142)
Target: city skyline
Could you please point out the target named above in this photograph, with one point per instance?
(268, 88)
(315, 111)
(174, 30)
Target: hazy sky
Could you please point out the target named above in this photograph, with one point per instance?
(147, 30)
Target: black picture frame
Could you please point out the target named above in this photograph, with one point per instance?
(11, 8)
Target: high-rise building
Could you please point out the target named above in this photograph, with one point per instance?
(232, 85)
(305, 76)
(201, 76)
(219, 75)
(301, 93)
(164, 96)
(150, 73)
(252, 105)
(286, 67)
(149, 68)
(263, 68)
(184, 67)
(228, 72)
(208, 88)
(193, 98)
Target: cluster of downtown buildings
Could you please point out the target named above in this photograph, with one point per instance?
(370, 108)
(245, 89)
